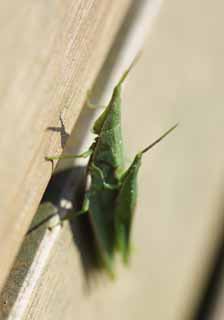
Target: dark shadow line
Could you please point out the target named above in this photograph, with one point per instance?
(213, 285)
(38, 225)
(62, 131)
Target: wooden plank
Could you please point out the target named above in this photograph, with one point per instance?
(179, 219)
(18, 299)
(50, 54)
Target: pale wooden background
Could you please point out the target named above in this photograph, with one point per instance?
(50, 54)
(179, 220)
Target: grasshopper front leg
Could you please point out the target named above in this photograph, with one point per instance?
(85, 154)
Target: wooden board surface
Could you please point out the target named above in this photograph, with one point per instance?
(179, 219)
(51, 52)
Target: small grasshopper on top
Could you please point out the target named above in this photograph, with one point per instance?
(111, 197)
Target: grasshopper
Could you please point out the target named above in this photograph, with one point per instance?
(110, 199)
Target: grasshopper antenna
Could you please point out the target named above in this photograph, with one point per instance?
(160, 138)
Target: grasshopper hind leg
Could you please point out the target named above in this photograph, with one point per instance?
(73, 214)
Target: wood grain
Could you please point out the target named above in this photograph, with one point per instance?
(51, 52)
(179, 219)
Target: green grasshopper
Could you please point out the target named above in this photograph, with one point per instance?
(110, 198)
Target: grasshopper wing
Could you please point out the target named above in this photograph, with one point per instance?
(125, 207)
(126, 201)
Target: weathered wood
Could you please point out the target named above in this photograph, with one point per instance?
(180, 212)
(50, 54)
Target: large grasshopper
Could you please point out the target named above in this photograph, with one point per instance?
(110, 198)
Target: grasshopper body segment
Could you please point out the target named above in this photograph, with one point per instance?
(108, 154)
(107, 158)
